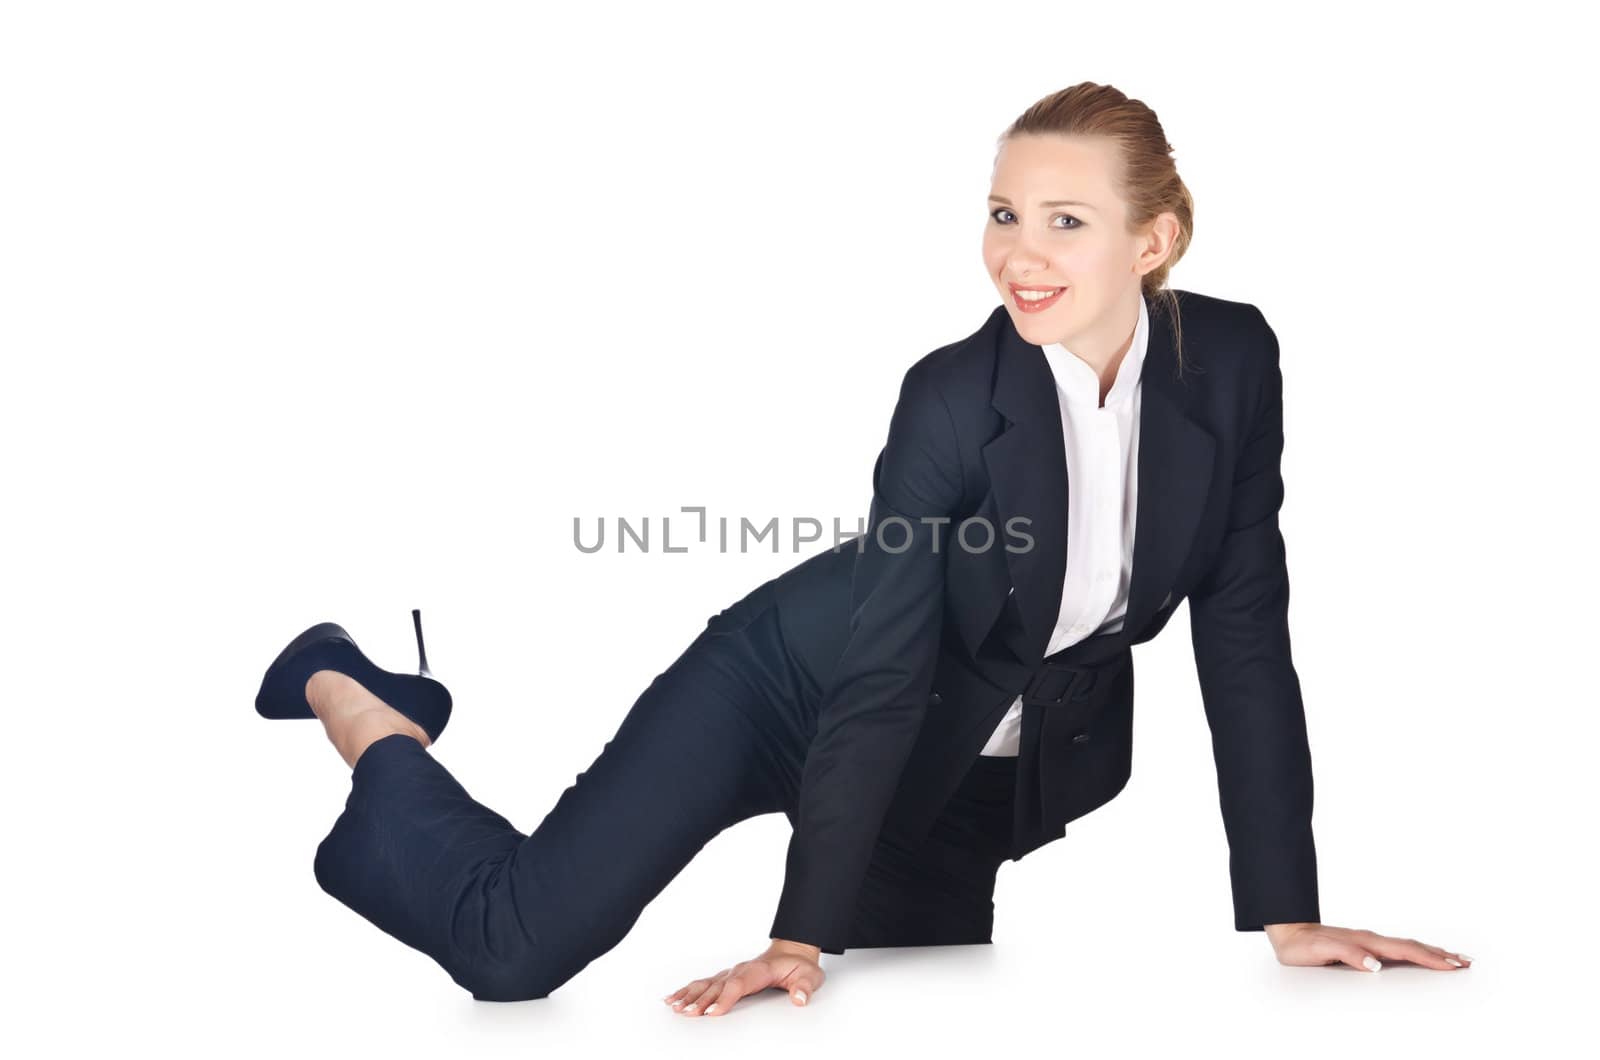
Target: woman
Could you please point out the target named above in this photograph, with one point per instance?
(947, 691)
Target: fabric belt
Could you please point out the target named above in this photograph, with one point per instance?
(1062, 698)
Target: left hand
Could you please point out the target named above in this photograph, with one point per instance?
(1310, 944)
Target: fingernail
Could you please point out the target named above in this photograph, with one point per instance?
(1372, 963)
(691, 1008)
(1465, 957)
(711, 1009)
(800, 996)
(1453, 961)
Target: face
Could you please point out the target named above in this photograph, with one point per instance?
(1056, 225)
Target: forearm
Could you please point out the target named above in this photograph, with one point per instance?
(1239, 622)
(872, 709)
(847, 785)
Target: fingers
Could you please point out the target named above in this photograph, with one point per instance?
(716, 995)
(706, 999)
(681, 998)
(1358, 958)
(1458, 960)
(1399, 949)
(733, 988)
(698, 1002)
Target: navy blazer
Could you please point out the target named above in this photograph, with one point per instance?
(920, 650)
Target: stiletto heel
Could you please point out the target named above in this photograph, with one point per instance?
(422, 656)
(326, 646)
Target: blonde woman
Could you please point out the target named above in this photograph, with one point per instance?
(945, 692)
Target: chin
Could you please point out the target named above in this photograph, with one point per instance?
(1039, 328)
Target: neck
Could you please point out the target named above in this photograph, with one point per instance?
(1104, 346)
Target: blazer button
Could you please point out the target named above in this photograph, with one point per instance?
(1081, 737)
(935, 699)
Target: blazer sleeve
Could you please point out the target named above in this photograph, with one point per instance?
(873, 704)
(1240, 628)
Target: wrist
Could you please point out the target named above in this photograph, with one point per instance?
(1278, 932)
(798, 949)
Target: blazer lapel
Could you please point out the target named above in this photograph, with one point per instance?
(1175, 458)
(1027, 467)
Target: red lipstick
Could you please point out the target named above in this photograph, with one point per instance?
(1035, 305)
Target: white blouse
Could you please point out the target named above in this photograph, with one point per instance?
(1102, 447)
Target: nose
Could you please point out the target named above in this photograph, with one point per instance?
(1024, 261)
(1023, 270)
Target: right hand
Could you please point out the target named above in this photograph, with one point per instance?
(791, 966)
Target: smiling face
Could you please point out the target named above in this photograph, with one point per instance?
(1056, 224)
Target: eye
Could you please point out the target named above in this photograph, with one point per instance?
(996, 213)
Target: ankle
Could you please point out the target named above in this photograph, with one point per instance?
(367, 727)
(353, 717)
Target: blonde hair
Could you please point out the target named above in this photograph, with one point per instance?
(1147, 179)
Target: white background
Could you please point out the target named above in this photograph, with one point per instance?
(320, 311)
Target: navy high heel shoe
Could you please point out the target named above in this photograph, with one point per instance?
(327, 646)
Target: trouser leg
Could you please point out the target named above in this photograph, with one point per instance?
(512, 916)
(941, 893)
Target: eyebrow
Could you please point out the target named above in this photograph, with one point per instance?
(1053, 202)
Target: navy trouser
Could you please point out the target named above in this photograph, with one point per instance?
(718, 737)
